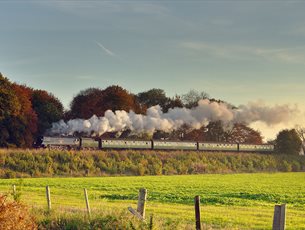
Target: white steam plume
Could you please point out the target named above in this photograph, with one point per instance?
(155, 119)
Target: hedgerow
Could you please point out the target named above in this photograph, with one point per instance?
(49, 163)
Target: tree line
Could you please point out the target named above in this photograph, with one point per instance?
(96, 101)
(26, 113)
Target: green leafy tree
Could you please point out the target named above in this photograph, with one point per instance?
(152, 97)
(9, 103)
(171, 103)
(4, 135)
(288, 142)
(17, 118)
(301, 132)
(191, 98)
(48, 109)
(17, 131)
(158, 97)
(215, 132)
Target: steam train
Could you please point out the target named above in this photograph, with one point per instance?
(104, 144)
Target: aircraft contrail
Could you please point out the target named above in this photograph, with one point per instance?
(109, 52)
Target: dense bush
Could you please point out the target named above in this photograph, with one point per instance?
(38, 163)
(14, 215)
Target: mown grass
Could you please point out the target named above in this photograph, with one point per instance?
(231, 201)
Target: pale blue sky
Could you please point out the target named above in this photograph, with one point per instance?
(238, 51)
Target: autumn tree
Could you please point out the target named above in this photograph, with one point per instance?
(288, 142)
(18, 122)
(196, 134)
(94, 101)
(117, 98)
(25, 113)
(87, 103)
(48, 109)
(213, 132)
(27, 118)
(216, 131)
(240, 133)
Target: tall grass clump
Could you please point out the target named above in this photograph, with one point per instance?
(107, 220)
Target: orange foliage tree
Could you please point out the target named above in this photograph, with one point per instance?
(25, 113)
(241, 133)
(27, 117)
(94, 101)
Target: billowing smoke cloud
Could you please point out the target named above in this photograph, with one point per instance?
(258, 111)
(155, 119)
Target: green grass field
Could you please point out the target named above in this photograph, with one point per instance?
(230, 201)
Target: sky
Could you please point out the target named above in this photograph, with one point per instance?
(237, 51)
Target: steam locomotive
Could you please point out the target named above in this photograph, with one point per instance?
(104, 144)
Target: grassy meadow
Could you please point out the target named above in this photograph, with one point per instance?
(228, 201)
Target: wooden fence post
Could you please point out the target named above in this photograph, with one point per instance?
(135, 213)
(279, 217)
(142, 201)
(197, 212)
(48, 197)
(87, 202)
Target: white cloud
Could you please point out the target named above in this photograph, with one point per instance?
(236, 52)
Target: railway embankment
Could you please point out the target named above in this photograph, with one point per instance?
(16, 163)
